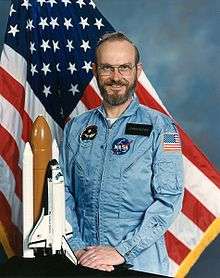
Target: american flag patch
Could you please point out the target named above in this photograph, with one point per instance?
(171, 142)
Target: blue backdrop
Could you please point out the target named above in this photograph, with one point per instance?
(180, 48)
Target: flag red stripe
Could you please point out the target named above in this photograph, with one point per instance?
(13, 91)
(10, 153)
(177, 251)
(90, 98)
(195, 211)
(190, 150)
(27, 127)
(13, 234)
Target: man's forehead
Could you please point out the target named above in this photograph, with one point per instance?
(121, 49)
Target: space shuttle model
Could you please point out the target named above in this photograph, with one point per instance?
(45, 229)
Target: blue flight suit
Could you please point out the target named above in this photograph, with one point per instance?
(124, 183)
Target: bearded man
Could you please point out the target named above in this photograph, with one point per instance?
(122, 165)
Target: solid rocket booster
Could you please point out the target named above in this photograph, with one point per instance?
(27, 196)
(55, 151)
(41, 142)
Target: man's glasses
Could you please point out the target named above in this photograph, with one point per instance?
(106, 69)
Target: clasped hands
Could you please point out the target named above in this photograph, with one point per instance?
(99, 257)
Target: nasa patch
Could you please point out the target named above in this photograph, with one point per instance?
(89, 133)
(121, 146)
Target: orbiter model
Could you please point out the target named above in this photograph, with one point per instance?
(45, 229)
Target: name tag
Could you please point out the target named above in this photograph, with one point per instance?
(138, 129)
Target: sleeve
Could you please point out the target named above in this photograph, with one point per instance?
(67, 156)
(167, 190)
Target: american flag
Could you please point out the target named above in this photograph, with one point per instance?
(171, 142)
(46, 69)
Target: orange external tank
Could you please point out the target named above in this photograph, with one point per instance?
(41, 143)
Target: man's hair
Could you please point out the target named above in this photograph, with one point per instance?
(116, 36)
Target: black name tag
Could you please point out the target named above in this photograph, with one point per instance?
(138, 129)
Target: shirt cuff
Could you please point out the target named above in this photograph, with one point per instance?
(76, 244)
(125, 251)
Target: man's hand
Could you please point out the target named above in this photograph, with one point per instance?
(78, 253)
(101, 257)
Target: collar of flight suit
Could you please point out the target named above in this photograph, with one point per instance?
(130, 110)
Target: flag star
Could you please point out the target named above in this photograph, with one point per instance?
(55, 45)
(43, 22)
(41, 2)
(32, 48)
(98, 23)
(72, 67)
(70, 45)
(13, 30)
(30, 25)
(92, 4)
(57, 67)
(68, 23)
(33, 69)
(84, 22)
(26, 4)
(47, 91)
(52, 2)
(74, 89)
(53, 22)
(12, 10)
(87, 66)
(45, 45)
(45, 68)
(66, 2)
(81, 3)
(85, 45)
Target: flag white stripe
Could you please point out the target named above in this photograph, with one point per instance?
(149, 88)
(173, 268)
(186, 231)
(202, 187)
(79, 109)
(14, 63)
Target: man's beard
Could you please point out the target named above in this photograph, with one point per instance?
(117, 99)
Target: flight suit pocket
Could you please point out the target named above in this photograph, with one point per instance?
(166, 178)
(134, 159)
(81, 184)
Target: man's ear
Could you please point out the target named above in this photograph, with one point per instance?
(139, 69)
(94, 69)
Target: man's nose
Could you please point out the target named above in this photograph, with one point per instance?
(115, 74)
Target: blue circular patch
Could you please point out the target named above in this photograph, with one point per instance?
(121, 146)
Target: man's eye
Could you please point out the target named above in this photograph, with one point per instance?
(124, 67)
(106, 67)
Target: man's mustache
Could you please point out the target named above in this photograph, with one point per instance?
(119, 82)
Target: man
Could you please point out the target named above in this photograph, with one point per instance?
(122, 165)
